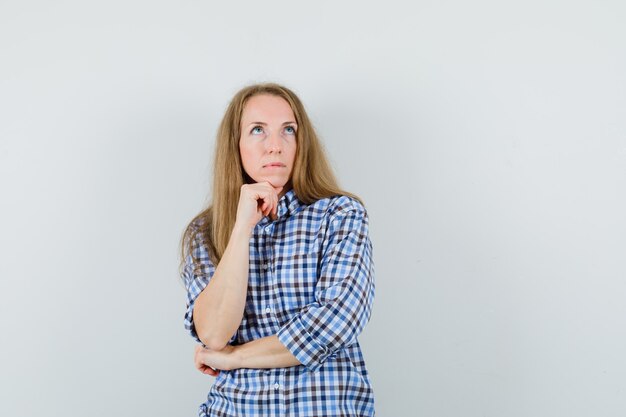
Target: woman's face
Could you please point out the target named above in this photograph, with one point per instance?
(268, 140)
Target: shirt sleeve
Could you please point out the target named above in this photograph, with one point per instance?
(195, 282)
(344, 293)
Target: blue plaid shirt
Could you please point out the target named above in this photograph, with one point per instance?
(311, 282)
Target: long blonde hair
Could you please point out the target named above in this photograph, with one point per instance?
(312, 176)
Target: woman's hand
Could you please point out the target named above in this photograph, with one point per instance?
(211, 362)
(256, 201)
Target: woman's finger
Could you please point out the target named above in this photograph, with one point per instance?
(207, 370)
(270, 204)
(210, 371)
(198, 361)
(196, 353)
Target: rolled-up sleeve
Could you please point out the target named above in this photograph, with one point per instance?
(344, 292)
(195, 282)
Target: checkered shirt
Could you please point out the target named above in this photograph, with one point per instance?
(311, 282)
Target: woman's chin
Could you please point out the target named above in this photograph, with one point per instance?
(274, 182)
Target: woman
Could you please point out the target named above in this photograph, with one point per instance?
(278, 270)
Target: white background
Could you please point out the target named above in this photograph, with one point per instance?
(487, 139)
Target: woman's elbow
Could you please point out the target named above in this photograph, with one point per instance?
(213, 342)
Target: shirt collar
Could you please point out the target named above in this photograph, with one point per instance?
(288, 204)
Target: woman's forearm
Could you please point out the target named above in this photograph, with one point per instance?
(219, 308)
(267, 352)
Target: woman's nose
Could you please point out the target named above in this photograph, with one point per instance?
(274, 142)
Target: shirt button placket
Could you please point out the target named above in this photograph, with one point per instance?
(267, 231)
(279, 388)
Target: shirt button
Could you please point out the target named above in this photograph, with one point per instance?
(268, 310)
(276, 385)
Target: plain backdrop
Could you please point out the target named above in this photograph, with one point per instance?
(487, 139)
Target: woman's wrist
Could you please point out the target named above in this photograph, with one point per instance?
(236, 360)
(242, 231)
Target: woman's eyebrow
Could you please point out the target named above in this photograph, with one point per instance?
(265, 124)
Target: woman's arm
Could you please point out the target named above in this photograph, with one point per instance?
(219, 308)
(344, 293)
(267, 352)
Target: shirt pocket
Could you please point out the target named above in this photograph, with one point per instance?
(297, 277)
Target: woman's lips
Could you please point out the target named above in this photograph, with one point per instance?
(274, 166)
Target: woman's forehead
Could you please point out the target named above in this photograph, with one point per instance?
(265, 108)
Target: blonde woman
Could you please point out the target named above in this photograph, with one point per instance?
(278, 270)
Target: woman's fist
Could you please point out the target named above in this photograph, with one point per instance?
(211, 362)
(256, 201)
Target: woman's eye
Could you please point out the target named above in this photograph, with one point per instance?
(291, 130)
(255, 131)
